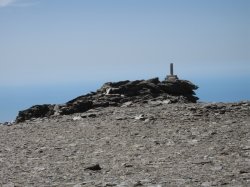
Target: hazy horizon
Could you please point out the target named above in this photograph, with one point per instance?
(53, 50)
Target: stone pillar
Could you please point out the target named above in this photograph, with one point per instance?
(171, 69)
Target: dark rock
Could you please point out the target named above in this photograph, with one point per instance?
(202, 162)
(138, 183)
(37, 111)
(97, 104)
(119, 94)
(77, 107)
(95, 167)
(245, 170)
(126, 165)
(92, 115)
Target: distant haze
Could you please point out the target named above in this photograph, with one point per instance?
(60, 45)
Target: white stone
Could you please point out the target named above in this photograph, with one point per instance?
(76, 118)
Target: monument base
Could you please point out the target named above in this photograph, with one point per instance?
(171, 78)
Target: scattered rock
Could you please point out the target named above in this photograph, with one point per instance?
(95, 167)
(92, 115)
(126, 165)
(120, 118)
(76, 118)
(138, 183)
(245, 170)
(202, 162)
(88, 115)
(166, 101)
(127, 104)
(168, 145)
(140, 117)
(110, 184)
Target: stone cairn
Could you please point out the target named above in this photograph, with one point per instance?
(170, 90)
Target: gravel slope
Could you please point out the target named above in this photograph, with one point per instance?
(153, 144)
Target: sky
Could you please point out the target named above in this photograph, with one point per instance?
(53, 50)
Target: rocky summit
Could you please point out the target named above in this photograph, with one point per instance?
(129, 134)
(116, 94)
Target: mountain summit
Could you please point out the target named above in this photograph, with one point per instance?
(116, 94)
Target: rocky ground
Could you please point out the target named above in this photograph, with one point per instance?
(155, 144)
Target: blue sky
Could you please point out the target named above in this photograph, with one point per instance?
(57, 43)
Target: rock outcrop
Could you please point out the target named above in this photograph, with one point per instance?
(116, 94)
(36, 111)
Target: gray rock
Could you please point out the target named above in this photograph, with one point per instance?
(127, 104)
(76, 118)
(140, 117)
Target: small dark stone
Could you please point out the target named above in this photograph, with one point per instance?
(126, 165)
(95, 167)
(138, 184)
(92, 115)
(246, 170)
